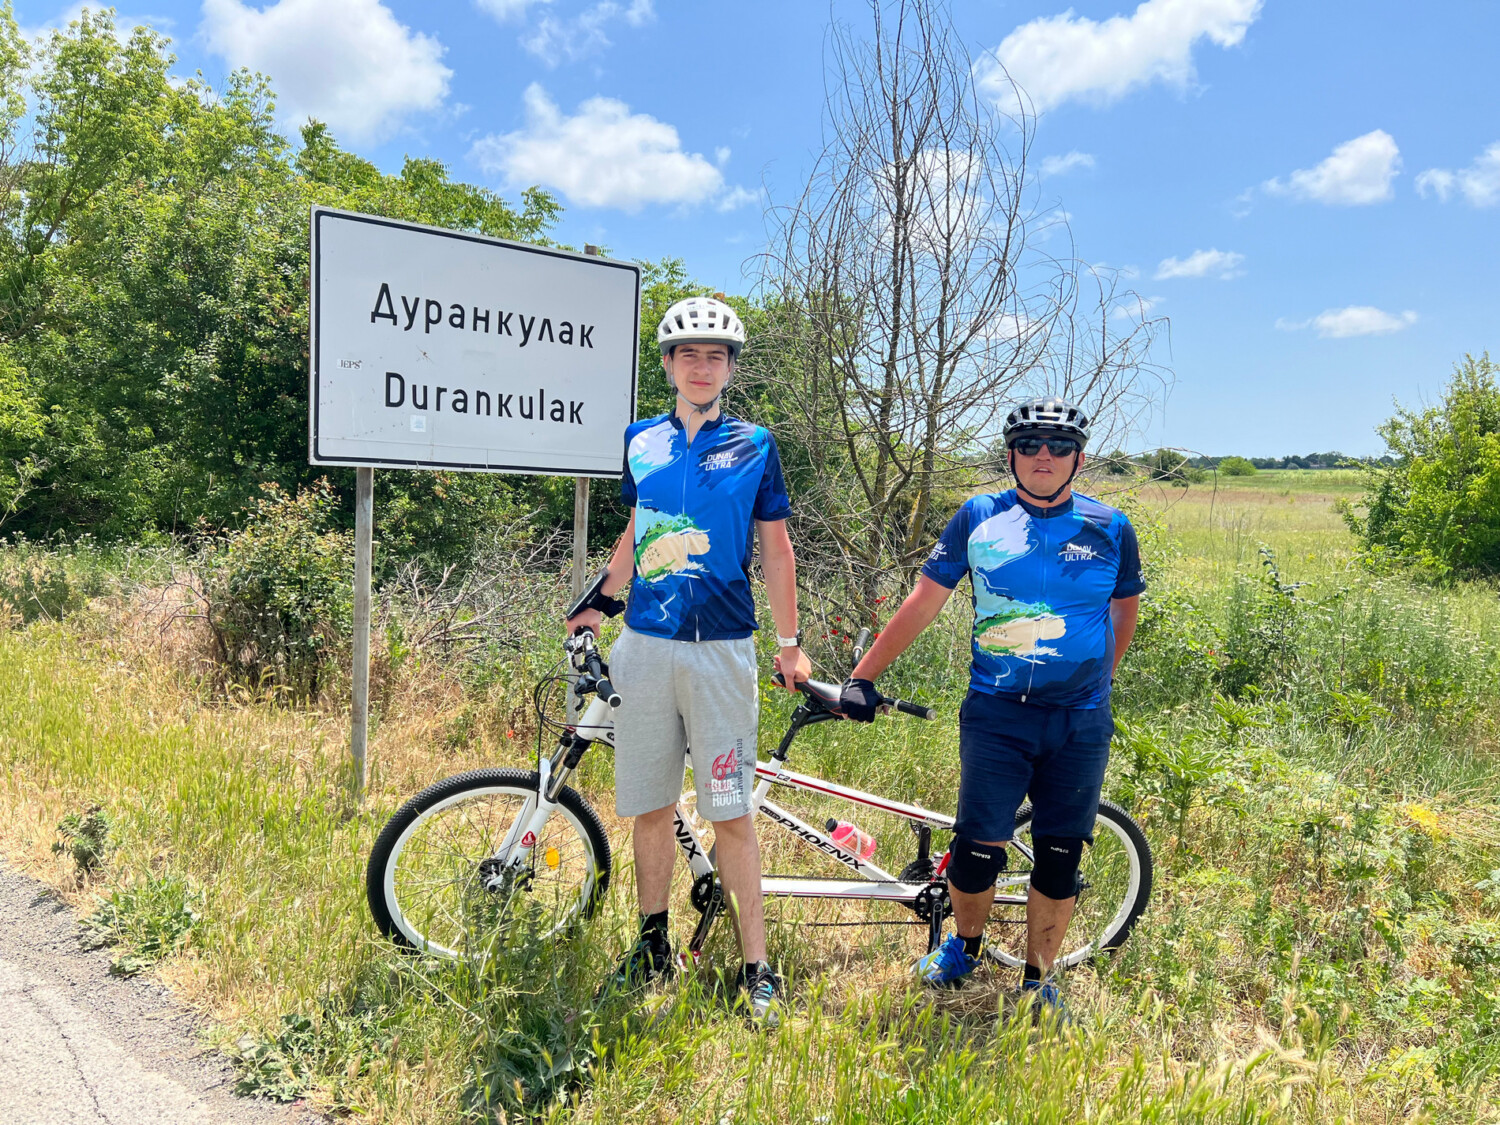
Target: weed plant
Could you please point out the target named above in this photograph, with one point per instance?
(1311, 747)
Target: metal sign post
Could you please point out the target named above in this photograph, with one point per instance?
(440, 349)
(364, 519)
(580, 534)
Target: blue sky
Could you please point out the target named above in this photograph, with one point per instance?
(1308, 191)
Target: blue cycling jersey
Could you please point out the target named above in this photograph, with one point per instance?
(695, 507)
(1043, 579)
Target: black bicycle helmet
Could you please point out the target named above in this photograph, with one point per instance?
(1047, 415)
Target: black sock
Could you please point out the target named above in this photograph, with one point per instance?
(1031, 972)
(654, 928)
(972, 944)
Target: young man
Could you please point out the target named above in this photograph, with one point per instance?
(700, 486)
(1057, 583)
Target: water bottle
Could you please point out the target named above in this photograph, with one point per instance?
(851, 838)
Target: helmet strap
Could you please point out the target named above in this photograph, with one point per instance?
(711, 403)
(696, 409)
(1037, 496)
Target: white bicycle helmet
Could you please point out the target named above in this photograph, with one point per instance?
(701, 320)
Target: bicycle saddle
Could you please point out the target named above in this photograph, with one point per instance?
(826, 694)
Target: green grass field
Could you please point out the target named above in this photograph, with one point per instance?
(1317, 769)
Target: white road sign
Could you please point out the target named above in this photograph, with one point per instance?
(436, 349)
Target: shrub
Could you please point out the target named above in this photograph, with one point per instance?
(1171, 465)
(87, 838)
(1237, 467)
(148, 921)
(53, 579)
(1438, 505)
(1262, 631)
(280, 590)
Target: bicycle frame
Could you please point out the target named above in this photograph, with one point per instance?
(874, 883)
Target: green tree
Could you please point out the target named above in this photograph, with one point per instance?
(153, 296)
(1237, 467)
(1170, 465)
(1438, 504)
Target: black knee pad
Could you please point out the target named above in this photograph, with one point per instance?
(972, 867)
(1055, 871)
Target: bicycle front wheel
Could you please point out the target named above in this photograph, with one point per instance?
(436, 882)
(1114, 881)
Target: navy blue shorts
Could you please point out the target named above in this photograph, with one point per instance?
(1009, 750)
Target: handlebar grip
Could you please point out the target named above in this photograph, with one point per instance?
(861, 643)
(778, 679)
(602, 687)
(914, 709)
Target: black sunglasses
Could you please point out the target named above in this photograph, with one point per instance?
(1031, 446)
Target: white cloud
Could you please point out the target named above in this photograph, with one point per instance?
(504, 10)
(602, 156)
(585, 34)
(1223, 264)
(1136, 308)
(1356, 172)
(1479, 182)
(1055, 59)
(1437, 181)
(1062, 165)
(347, 62)
(736, 197)
(1354, 320)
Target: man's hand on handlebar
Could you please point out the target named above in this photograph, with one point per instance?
(860, 701)
(801, 667)
(586, 619)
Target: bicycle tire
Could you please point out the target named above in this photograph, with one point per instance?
(1117, 873)
(575, 849)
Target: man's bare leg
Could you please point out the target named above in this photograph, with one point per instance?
(738, 857)
(1046, 924)
(655, 854)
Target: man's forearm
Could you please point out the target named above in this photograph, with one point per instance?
(622, 561)
(1123, 614)
(779, 569)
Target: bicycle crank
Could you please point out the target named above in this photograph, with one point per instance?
(707, 897)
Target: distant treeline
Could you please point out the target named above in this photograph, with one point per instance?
(1334, 460)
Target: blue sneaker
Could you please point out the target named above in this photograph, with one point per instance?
(947, 965)
(1043, 997)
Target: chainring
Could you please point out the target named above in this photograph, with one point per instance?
(706, 889)
(932, 897)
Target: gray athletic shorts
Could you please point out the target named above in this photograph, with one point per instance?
(681, 694)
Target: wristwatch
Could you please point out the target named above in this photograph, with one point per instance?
(794, 641)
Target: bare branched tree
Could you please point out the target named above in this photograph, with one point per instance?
(910, 295)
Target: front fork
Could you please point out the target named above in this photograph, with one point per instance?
(514, 853)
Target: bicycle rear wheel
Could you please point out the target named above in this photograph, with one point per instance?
(1114, 887)
(431, 879)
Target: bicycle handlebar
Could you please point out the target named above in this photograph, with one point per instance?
(828, 696)
(914, 709)
(861, 642)
(583, 641)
